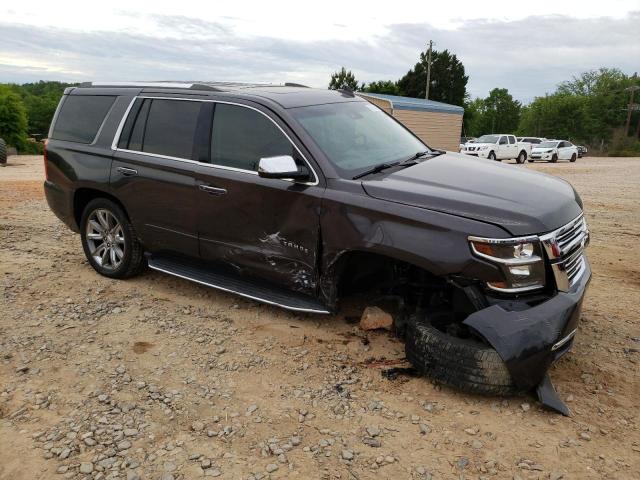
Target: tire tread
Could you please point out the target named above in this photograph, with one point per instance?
(462, 363)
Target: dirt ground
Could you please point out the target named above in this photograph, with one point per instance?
(159, 378)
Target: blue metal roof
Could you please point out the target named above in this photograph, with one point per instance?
(421, 104)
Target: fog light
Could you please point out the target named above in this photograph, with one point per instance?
(520, 271)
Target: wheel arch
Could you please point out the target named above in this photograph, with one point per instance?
(82, 196)
(363, 265)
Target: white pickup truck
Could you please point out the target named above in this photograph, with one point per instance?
(498, 147)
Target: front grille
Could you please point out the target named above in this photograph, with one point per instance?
(565, 250)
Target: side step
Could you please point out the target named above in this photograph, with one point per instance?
(234, 283)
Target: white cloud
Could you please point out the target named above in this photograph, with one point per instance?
(289, 41)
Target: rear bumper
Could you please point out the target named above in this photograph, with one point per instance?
(60, 204)
(530, 340)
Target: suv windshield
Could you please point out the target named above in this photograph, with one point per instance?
(487, 139)
(547, 145)
(356, 136)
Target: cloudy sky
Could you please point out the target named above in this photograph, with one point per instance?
(527, 47)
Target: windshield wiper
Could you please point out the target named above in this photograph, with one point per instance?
(407, 162)
(376, 169)
(412, 159)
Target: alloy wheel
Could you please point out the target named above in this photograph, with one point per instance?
(105, 238)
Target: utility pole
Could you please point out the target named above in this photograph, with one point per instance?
(426, 93)
(631, 89)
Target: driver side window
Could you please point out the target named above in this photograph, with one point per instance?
(242, 136)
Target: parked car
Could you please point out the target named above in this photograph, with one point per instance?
(582, 150)
(3, 152)
(296, 197)
(554, 150)
(498, 147)
(464, 140)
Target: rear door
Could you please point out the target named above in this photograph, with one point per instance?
(503, 147)
(262, 227)
(513, 147)
(153, 172)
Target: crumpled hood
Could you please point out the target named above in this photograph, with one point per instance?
(521, 201)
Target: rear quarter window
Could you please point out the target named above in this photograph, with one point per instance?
(80, 117)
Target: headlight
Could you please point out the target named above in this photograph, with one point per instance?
(483, 147)
(520, 260)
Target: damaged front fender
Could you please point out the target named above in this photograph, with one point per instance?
(529, 341)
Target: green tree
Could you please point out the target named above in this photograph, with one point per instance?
(40, 100)
(589, 109)
(448, 82)
(499, 112)
(13, 117)
(388, 87)
(472, 120)
(343, 79)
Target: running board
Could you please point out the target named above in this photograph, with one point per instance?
(234, 283)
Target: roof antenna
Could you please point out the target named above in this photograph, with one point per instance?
(347, 92)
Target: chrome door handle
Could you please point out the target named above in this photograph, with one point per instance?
(127, 172)
(212, 190)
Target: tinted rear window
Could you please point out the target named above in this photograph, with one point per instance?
(165, 127)
(80, 117)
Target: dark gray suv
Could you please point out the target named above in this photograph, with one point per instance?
(295, 197)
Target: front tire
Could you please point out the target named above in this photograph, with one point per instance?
(522, 156)
(109, 241)
(573, 158)
(464, 363)
(492, 156)
(554, 158)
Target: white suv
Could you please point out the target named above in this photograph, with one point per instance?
(498, 147)
(554, 150)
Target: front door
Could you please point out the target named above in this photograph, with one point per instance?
(565, 150)
(262, 227)
(153, 173)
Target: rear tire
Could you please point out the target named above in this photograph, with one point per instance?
(459, 362)
(573, 158)
(522, 156)
(3, 152)
(109, 241)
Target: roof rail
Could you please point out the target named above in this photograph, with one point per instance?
(185, 85)
(291, 84)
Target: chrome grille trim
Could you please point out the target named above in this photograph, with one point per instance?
(565, 250)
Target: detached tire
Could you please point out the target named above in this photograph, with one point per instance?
(463, 363)
(3, 152)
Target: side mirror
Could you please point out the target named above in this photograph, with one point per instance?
(283, 166)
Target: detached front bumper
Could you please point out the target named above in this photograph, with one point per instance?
(530, 340)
